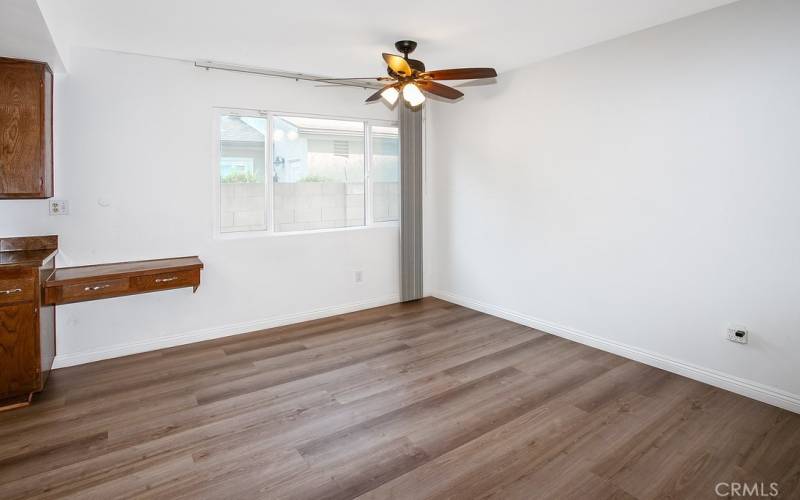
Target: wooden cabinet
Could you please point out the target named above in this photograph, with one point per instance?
(103, 281)
(30, 288)
(26, 129)
(27, 326)
(18, 350)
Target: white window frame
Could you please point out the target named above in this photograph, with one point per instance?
(270, 231)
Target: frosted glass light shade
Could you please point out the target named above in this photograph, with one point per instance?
(413, 95)
(390, 95)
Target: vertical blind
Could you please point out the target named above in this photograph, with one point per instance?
(410, 203)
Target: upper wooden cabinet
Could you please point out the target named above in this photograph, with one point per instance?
(26, 129)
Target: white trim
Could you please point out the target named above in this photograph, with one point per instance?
(115, 351)
(368, 187)
(222, 110)
(216, 189)
(242, 235)
(269, 175)
(748, 388)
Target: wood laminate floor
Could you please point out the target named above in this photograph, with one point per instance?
(419, 400)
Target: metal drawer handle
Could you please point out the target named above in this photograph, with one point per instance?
(11, 291)
(165, 280)
(95, 288)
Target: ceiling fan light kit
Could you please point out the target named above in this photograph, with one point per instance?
(390, 95)
(412, 94)
(409, 78)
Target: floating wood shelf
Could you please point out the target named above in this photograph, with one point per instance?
(78, 284)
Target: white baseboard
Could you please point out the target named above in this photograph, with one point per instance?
(748, 388)
(115, 351)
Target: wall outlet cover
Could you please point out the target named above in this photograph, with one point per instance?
(58, 207)
(738, 334)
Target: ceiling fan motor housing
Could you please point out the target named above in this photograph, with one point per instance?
(405, 46)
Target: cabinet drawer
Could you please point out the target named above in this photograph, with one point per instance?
(17, 289)
(89, 290)
(176, 279)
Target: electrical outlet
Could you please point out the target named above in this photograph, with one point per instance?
(58, 207)
(738, 334)
(358, 276)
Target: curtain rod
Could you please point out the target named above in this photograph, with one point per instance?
(285, 74)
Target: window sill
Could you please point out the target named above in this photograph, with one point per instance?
(246, 235)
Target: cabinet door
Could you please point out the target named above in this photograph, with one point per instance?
(19, 359)
(22, 130)
(47, 134)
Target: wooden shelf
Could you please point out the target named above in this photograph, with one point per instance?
(82, 283)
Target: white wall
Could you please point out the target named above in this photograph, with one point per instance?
(137, 131)
(640, 195)
(24, 34)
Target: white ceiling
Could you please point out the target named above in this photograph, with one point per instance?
(24, 34)
(344, 38)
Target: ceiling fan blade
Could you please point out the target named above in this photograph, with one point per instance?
(460, 74)
(439, 89)
(365, 78)
(377, 95)
(397, 64)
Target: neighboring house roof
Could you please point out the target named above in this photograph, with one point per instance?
(233, 128)
(324, 126)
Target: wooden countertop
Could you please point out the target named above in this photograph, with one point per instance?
(67, 275)
(26, 258)
(27, 251)
(98, 281)
(104, 281)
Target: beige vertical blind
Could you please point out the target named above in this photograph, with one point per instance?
(410, 203)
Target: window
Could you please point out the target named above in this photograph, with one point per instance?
(322, 173)
(385, 174)
(318, 179)
(242, 194)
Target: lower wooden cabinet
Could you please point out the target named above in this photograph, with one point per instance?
(30, 288)
(27, 334)
(18, 340)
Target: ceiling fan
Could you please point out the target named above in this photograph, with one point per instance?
(409, 78)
